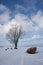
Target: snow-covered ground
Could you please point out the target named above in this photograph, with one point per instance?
(20, 57)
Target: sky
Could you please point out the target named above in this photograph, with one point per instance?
(29, 14)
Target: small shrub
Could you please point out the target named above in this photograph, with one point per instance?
(6, 49)
(11, 49)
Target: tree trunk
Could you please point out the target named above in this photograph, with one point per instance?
(16, 45)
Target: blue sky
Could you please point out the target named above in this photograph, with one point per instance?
(28, 13)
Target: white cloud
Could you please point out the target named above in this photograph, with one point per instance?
(33, 39)
(19, 7)
(5, 28)
(5, 14)
(19, 19)
(38, 19)
(25, 22)
(25, 8)
(37, 37)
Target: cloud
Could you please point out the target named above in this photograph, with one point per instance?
(20, 19)
(24, 21)
(28, 25)
(5, 28)
(26, 8)
(38, 20)
(29, 7)
(19, 7)
(34, 37)
(4, 14)
(37, 37)
(31, 4)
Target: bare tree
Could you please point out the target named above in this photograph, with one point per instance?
(14, 34)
